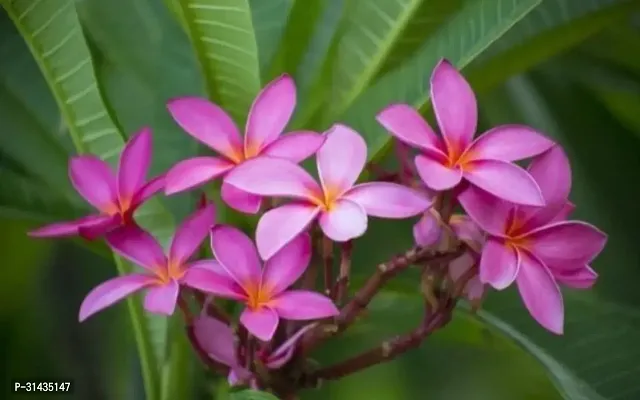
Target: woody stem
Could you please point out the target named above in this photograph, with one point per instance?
(387, 350)
(363, 297)
(326, 251)
(342, 285)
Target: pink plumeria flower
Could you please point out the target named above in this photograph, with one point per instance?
(484, 162)
(209, 124)
(264, 291)
(340, 206)
(216, 339)
(163, 274)
(536, 247)
(115, 196)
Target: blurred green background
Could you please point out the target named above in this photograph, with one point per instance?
(570, 68)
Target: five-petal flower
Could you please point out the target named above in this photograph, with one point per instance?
(116, 197)
(484, 162)
(209, 124)
(264, 291)
(535, 247)
(341, 206)
(163, 275)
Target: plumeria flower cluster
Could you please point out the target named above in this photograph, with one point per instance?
(481, 220)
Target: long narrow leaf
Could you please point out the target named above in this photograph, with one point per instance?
(373, 27)
(549, 31)
(224, 41)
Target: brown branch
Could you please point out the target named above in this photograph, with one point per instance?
(387, 350)
(326, 251)
(363, 297)
(342, 285)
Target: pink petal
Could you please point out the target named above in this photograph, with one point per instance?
(269, 114)
(564, 212)
(553, 174)
(295, 146)
(261, 323)
(190, 234)
(460, 265)
(138, 246)
(474, 289)
(303, 305)
(240, 200)
(285, 351)
(436, 175)
(388, 200)
(70, 228)
(267, 176)
(162, 299)
(341, 159)
(287, 265)
(209, 124)
(406, 124)
(467, 230)
(540, 293)
(211, 265)
(509, 143)
(506, 181)
(454, 104)
(488, 211)
(147, 190)
(216, 339)
(135, 160)
(95, 181)
(195, 171)
(112, 291)
(237, 254)
(427, 231)
(205, 276)
(499, 264)
(559, 243)
(582, 277)
(98, 228)
(346, 220)
(281, 225)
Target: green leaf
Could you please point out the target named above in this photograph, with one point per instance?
(372, 28)
(469, 32)
(298, 31)
(251, 395)
(224, 42)
(270, 24)
(427, 19)
(23, 197)
(54, 35)
(29, 143)
(552, 27)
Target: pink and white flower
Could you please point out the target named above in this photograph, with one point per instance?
(338, 203)
(211, 125)
(485, 162)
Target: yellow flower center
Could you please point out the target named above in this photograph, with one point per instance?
(173, 270)
(258, 296)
